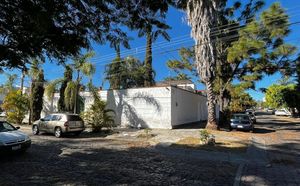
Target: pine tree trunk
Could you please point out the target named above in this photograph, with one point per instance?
(149, 80)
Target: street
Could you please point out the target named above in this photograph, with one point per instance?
(272, 158)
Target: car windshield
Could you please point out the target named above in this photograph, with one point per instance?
(6, 127)
(240, 117)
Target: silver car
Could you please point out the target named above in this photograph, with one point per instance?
(12, 140)
(59, 124)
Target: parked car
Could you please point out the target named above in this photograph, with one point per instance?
(271, 110)
(59, 124)
(252, 116)
(282, 112)
(12, 140)
(26, 119)
(2, 115)
(241, 122)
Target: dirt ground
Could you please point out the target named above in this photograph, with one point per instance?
(101, 161)
(139, 157)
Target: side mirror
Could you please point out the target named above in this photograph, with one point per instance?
(42, 119)
(17, 128)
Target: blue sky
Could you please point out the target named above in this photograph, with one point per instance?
(164, 51)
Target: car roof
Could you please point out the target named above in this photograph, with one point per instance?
(64, 114)
(240, 114)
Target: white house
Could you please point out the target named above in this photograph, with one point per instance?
(154, 107)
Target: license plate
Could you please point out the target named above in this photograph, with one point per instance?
(240, 126)
(16, 147)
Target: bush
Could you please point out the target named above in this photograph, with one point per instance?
(97, 117)
(206, 137)
(16, 105)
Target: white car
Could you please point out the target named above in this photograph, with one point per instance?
(12, 140)
(2, 114)
(282, 112)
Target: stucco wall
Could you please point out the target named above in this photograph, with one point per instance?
(157, 107)
(187, 107)
(141, 107)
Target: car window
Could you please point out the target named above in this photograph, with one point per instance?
(47, 118)
(5, 127)
(240, 117)
(56, 118)
(73, 118)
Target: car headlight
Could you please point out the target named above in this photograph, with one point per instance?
(27, 138)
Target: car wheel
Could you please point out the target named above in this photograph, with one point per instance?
(58, 132)
(35, 130)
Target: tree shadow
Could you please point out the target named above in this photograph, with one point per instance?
(193, 125)
(259, 130)
(126, 112)
(50, 165)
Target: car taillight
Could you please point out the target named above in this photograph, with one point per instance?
(66, 124)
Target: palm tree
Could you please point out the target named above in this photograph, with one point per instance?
(82, 67)
(152, 33)
(71, 97)
(202, 15)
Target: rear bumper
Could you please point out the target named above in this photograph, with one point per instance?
(70, 130)
(241, 127)
(15, 148)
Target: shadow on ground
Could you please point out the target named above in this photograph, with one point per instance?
(49, 164)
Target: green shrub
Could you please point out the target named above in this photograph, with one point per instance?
(206, 137)
(16, 105)
(97, 116)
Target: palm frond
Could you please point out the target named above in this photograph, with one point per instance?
(52, 87)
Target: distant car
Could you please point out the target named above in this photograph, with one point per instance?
(12, 140)
(26, 119)
(250, 111)
(271, 110)
(282, 112)
(241, 122)
(59, 124)
(2, 114)
(252, 116)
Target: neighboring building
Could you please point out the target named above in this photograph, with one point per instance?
(154, 107)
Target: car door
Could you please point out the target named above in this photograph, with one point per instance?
(53, 123)
(44, 123)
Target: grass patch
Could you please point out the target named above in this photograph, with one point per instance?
(146, 136)
(220, 146)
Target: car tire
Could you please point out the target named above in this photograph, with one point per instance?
(35, 130)
(57, 132)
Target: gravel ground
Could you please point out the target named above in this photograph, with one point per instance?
(102, 161)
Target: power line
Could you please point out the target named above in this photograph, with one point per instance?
(236, 28)
(213, 28)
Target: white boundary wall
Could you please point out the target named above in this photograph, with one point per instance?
(141, 107)
(156, 107)
(187, 107)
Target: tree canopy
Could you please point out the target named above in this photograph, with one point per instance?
(59, 29)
